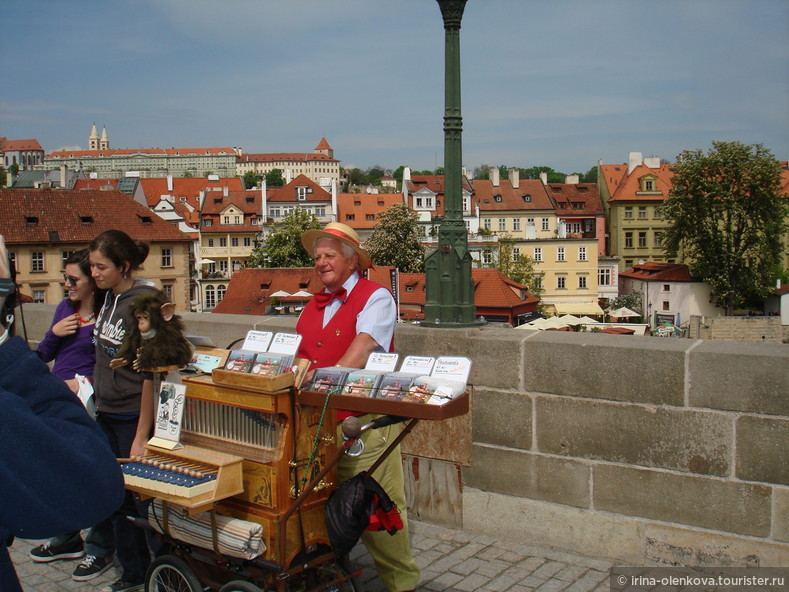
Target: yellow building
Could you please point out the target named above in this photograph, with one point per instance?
(42, 227)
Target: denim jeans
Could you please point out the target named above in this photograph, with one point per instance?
(118, 531)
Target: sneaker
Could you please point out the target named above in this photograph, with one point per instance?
(91, 567)
(46, 552)
(122, 586)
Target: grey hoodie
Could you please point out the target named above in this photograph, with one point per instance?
(116, 391)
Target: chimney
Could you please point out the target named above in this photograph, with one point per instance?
(9, 179)
(515, 177)
(62, 176)
(225, 191)
(169, 183)
(544, 178)
(494, 176)
(652, 162)
(634, 159)
(571, 179)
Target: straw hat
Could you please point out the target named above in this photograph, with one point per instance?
(341, 232)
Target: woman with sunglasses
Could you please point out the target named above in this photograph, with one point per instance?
(69, 342)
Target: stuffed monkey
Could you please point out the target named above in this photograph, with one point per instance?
(156, 343)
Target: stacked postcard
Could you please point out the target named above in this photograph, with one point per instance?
(265, 354)
(420, 379)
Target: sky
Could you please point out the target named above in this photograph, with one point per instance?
(558, 83)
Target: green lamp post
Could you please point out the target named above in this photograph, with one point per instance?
(449, 293)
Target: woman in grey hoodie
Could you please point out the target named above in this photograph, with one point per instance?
(124, 403)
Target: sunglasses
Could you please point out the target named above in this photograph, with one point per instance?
(70, 280)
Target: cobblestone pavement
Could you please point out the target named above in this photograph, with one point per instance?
(450, 560)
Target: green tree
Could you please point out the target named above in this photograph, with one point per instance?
(634, 301)
(283, 248)
(398, 174)
(395, 240)
(518, 268)
(374, 174)
(251, 179)
(590, 176)
(726, 217)
(274, 178)
(534, 173)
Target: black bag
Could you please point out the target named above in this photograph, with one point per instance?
(350, 507)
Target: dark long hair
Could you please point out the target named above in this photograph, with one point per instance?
(120, 248)
(81, 259)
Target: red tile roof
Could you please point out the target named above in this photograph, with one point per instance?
(612, 175)
(286, 157)
(655, 271)
(188, 187)
(249, 291)
(579, 199)
(512, 198)
(364, 208)
(249, 202)
(13, 145)
(323, 145)
(95, 184)
(289, 193)
(155, 151)
(51, 216)
(630, 185)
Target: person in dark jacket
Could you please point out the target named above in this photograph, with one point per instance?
(57, 471)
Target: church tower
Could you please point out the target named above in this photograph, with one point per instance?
(93, 139)
(104, 144)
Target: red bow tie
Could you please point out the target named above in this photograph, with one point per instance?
(322, 299)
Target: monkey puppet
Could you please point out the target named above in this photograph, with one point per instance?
(156, 343)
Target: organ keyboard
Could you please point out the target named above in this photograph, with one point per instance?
(191, 476)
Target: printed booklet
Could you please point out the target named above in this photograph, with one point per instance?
(269, 364)
(240, 360)
(361, 383)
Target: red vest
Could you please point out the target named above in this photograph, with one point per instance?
(324, 346)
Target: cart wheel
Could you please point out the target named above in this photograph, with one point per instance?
(169, 573)
(239, 586)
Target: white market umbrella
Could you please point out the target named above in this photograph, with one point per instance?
(569, 319)
(302, 294)
(206, 261)
(623, 313)
(280, 294)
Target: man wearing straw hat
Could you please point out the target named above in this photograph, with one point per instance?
(342, 325)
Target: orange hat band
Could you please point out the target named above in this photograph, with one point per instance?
(342, 235)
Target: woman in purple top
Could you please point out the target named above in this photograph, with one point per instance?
(69, 339)
(69, 342)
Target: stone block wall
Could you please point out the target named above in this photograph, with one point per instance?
(639, 449)
(741, 328)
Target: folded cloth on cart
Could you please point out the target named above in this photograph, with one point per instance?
(237, 538)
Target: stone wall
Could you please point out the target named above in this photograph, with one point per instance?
(740, 328)
(642, 450)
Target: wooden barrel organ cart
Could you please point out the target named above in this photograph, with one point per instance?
(269, 451)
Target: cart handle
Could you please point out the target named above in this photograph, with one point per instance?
(352, 428)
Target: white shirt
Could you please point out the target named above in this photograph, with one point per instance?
(378, 317)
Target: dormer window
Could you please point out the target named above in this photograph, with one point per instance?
(31, 219)
(497, 198)
(301, 193)
(526, 197)
(86, 219)
(145, 219)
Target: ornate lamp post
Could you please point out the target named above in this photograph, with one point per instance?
(449, 297)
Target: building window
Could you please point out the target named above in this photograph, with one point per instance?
(210, 242)
(234, 241)
(220, 292)
(350, 216)
(649, 185)
(642, 240)
(429, 202)
(604, 277)
(37, 261)
(582, 282)
(236, 219)
(628, 263)
(560, 254)
(39, 295)
(658, 214)
(419, 202)
(658, 240)
(167, 257)
(581, 253)
(529, 221)
(546, 224)
(628, 240)
(628, 212)
(537, 282)
(302, 193)
(167, 290)
(275, 212)
(667, 287)
(537, 253)
(561, 282)
(516, 224)
(486, 223)
(247, 241)
(642, 213)
(666, 305)
(516, 254)
(223, 265)
(320, 212)
(210, 297)
(225, 219)
(223, 242)
(576, 228)
(487, 257)
(502, 224)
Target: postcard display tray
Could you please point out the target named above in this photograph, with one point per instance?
(457, 406)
